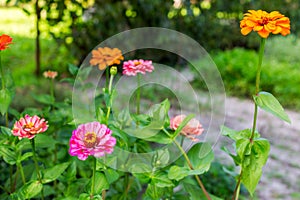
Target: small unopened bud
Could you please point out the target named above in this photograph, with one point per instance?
(113, 70)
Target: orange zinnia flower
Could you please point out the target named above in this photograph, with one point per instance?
(106, 56)
(265, 23)
(50, 74)
(5, 40)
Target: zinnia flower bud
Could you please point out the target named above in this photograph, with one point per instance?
(113, 70)
(193, 127)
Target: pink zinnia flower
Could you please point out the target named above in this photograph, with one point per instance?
(28, 127)
(92, 139)
(193, 127)
(132, 67)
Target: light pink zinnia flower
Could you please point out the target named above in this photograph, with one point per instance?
(92, 139)
(28, 127)
(193, 127)
(132, 67)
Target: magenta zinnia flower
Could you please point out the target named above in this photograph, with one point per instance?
(28, 127)
(132, 67)
(92, 139)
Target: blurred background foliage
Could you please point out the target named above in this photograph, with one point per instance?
(70, 29)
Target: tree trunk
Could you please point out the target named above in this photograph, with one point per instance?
(37, 40)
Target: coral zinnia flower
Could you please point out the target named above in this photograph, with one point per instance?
(28, 127)
(106, 56)
(132, 67)
(91, 139)
(193, 127)
(5, 40)
(265, 23)
(50, 74)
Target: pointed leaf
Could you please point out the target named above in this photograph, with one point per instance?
(29, 190)
(252, 168)
(54, 172)
(5, 100)
(201, 156)
(269, 103)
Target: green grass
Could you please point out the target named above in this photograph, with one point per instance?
(280, 71)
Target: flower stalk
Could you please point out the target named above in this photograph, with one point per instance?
(93, 178)
(138, 94)
(257, 85)
(36, 165)
(189, 164)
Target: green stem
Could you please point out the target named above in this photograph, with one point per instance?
(110, 98)
(2, 74)
(189, 164)
(21, 172)
(107, 77)
(138, 94)
(236, 192)
(11, 177)
(103, 194)
(52, 88)
(36, 164)
(258, 72)
(93, 178)
(6, 119)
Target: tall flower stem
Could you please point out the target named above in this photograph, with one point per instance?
(138, 94)
(257, 82)
(36, 164)
(52, 88)
(93, 177)
(258, 72)
(189, 164)
(2, 74)
(19, 165)
(110, 98)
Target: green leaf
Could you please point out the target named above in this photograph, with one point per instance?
(100, 115)
(100, 183)
(201, 156)
(5, 130)
(73, 69)
(160, 179)
(9, 156)
(252, 167)
(25, 156)
(54, 172)
(29, 190)
(111, 175)
(41, 141)
(160, 137)
(236, 135)
(44, 99)
(195, 193)
(154, 192)
(269, 103)
(177, 173)
(5, 100)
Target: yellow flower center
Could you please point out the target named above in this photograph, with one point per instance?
(136, 63)
(29, 125)
(90, 139)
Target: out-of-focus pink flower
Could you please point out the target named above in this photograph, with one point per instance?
(132, 67)
(92, 139)
(50, 74)
(28, 127)
(193, 127)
